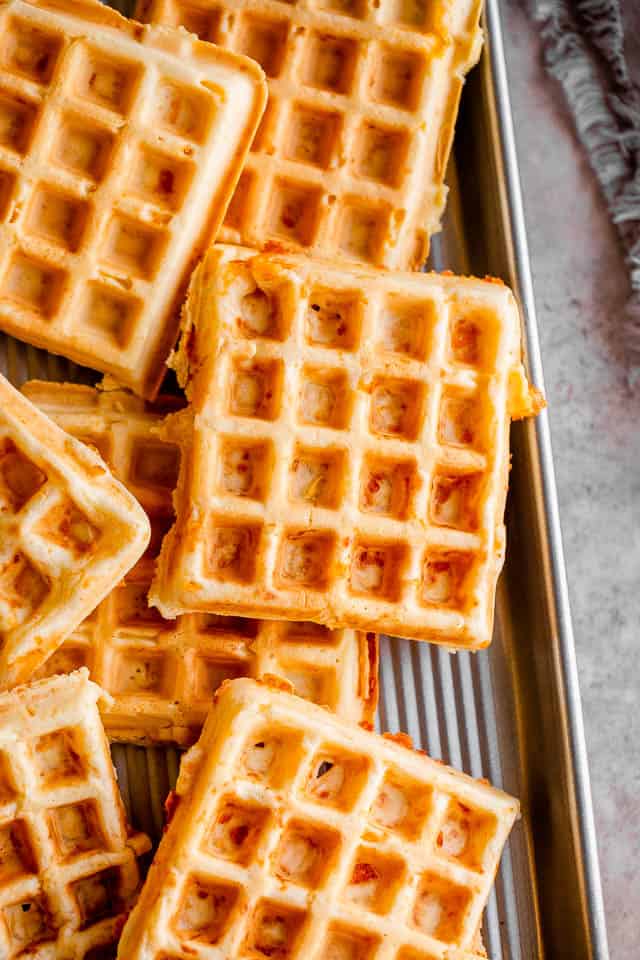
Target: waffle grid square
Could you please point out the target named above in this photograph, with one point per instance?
(295, 835)
(68, 533)
(162, 674)
(110, 136)
(380, 406)
(350, 158)
(68, 863)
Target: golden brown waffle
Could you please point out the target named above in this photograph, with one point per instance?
(68, 534)
(346, 449)
(350, 158)
(162, 674)
(295, 835)
(68, 868)
(120, 147)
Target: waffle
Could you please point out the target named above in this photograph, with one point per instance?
(68, 533)
(68, 867)
(347, 447)
(162, 674)
(111, 139)
(350, 158)
(295, 835)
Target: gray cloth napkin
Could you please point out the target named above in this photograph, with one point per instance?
(583, 49)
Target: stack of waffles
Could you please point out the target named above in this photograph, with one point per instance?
(162, 674)
(220, 559)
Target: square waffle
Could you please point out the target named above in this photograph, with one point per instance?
(346, 448)
(295, 835)
(68, 534)
(120, 146)
(350, 158)
(68, 861)
(162, 674)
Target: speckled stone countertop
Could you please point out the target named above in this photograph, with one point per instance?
(581, 287)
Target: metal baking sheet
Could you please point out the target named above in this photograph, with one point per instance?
(511, 713)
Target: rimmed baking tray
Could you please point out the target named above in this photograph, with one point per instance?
(511, 713)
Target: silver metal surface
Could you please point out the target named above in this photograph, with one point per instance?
(512, 713)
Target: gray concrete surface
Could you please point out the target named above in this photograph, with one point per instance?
(581, 286)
